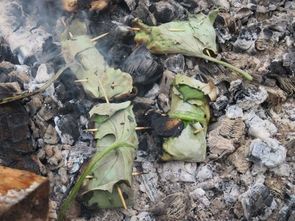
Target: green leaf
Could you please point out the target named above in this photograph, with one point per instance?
(189, 146)
(186, 111)
(116, 167)
(207, 88)
(102, 81)
(185, 37)
(74, 191)
(189, 104)
(190, 93)
(190, 38)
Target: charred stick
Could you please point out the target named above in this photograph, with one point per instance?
(26, 94)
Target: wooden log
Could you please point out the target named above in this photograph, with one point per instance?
(23, 195)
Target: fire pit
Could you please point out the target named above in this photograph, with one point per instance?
(151, 110)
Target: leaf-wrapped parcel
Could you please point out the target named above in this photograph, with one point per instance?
(98, 79)
(191, 38)
(189, 103)
(116, 124)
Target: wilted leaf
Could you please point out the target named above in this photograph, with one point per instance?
(102, 81)
(189, 146)
(118, 125)
(191, 38)
(189, 104)
(184, 37)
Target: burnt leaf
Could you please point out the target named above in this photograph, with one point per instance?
(165, 126)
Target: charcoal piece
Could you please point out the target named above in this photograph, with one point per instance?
(15, 137)
(48, 110)
(165, 126)
(26, 38)
(237, 91)
(173, 207)
(219, 106)
(142, 66)
(66, 89)
(164, 11)
(5, 52)
(277, 67)
(117, 54)
(282, 72)
(189, 4)
(289, 61)
(287, 213)
(256, 200)
(14, 129)
(131, 4)
(142, 12)
(14, 121)
(246, 39)
(67, 128)
(175, 63)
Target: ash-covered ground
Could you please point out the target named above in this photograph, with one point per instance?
(249, 170)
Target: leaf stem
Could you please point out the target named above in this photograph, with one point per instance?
(239, 71)
(97, 157)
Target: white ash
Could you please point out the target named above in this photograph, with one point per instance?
(178, 171)
(200, 195)
(154, 92)
(65, 138)
(282, 170)
(231, 194)
(234, 111)
(149, 181)
(143, 216)
(258, 169)
(204, 173)
(268, 152)
(254, 99)
(77, 155)
(257, 198)
(258, 127)
(23, 34)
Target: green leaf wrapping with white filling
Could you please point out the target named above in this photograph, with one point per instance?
(189, 104)
(191, 38)
(115, 123)
(102, 80)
